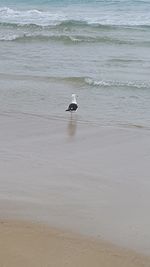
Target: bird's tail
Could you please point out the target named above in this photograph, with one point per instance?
(67, 109)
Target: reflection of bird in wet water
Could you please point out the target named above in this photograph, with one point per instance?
(72, 126)
(73, 106)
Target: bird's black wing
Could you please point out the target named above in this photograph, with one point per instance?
(72, 107)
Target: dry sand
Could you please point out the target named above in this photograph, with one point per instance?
(25, 244)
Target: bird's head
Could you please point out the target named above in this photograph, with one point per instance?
(74, 98)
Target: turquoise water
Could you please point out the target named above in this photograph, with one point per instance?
(99, 50)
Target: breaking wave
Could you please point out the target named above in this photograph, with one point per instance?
(111, 83)
(58, 25)
(114, 83)
(81, 81)
(57, 17)
(69, 32)
(22, 37)
(87, 81)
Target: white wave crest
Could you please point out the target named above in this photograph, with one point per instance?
(56, 16)
(8, 37)
(109, 83)
(34, 16)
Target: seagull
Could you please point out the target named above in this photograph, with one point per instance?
(73, 106)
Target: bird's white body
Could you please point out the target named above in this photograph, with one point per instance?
(73, 106)
(73, 99)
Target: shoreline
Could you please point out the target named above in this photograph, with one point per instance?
(32, 244)
(52, 170)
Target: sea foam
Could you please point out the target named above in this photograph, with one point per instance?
(56, 16)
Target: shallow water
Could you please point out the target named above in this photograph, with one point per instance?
(98, 50)
(77, 176)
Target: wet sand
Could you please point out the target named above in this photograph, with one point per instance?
(76, 176)
(27, 244)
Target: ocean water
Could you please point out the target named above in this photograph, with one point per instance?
(98, 49)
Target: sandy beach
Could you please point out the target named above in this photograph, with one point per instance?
(82, 178)
(27, 244)
(74, 189)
